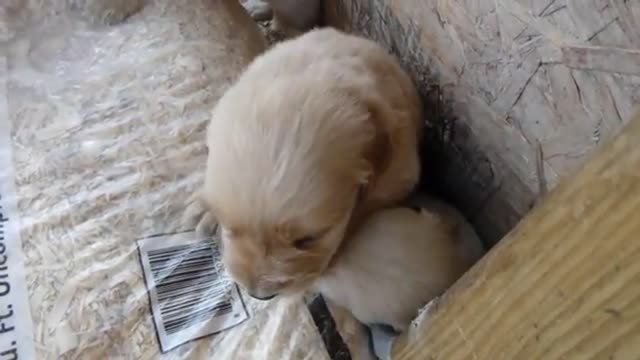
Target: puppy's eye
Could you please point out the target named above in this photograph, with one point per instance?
(304, 242)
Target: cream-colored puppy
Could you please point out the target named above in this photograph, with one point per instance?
(318, 131)
(399, 260)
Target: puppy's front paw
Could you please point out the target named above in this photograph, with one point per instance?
(196, 215)
(258, 9)
(207, 226)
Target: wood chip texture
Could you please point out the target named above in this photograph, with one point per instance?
(518, 92)
(107, 131)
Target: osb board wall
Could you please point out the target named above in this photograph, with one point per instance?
(518, 92)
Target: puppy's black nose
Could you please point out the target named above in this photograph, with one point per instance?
(263, 298)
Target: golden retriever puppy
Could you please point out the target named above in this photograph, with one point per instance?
(316, 133)
(289, 16)
(399, 260)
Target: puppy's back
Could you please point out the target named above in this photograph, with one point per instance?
(336, 60)
(400, 259)
(315, 105)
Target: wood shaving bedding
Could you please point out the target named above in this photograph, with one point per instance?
(107, 135)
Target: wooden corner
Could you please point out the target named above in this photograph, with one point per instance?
(564, 284)
(517, 93)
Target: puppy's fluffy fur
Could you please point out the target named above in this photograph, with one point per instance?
(399, 260)
(318, 131)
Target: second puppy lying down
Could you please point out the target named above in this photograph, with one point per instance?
(399, 260)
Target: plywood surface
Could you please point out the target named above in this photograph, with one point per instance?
(564, 284)
(519, 92)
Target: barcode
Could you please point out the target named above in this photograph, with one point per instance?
(190, 294)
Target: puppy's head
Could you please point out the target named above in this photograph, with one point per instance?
(283, 178)
(283, 257)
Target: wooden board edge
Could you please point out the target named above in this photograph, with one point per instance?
(565, 283)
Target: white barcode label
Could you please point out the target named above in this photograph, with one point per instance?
(191, 296)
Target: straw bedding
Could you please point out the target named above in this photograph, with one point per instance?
(107, 124)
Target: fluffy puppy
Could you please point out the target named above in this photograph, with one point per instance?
(289, 16)
(316, 133)
(399, 260)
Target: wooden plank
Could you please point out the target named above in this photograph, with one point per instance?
(564, 284)
(518, 92)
